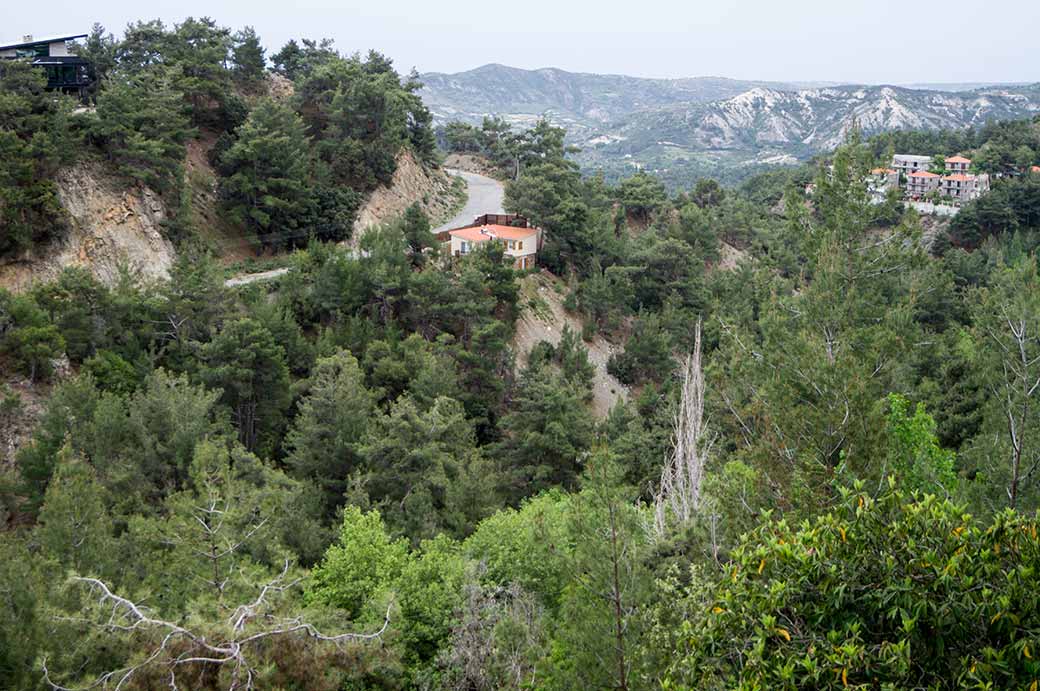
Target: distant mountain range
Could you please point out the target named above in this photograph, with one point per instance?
(710, 125)
(599, 98)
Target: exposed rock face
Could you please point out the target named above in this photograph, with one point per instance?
(765, 122)
(412, 182)
(110, 226)
(542, 318)
(471, 164)
(279, 88)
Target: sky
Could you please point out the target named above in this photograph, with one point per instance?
(848, 41)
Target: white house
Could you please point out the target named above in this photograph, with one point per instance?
(907, 164)
(519, 243)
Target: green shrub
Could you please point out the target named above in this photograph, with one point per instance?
(902, 591)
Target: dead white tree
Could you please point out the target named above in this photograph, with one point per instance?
(1017, 390)
(679, 496)
(179, 648)
(478, 656)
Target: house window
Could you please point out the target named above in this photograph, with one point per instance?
(512, 245)
(465, 247)
(520, 245)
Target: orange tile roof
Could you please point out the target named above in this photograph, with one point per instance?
(959, 178)
(958, 159)
(923, 174)
(1035, 169)
(485, 233)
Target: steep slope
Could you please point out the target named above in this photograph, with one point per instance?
(433, 188)
(110, 226)
(543, 317)
(818, 119)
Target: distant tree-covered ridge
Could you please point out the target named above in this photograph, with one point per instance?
(687, 128)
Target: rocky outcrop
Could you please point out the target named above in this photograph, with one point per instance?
(279, 88)
(432, 188)
(774, 121)
(110, 226)
(542, 318)
(471, 164)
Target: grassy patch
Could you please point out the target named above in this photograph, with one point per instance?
(539, 307)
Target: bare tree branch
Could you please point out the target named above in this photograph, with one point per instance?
(127, 616)
(679, 496)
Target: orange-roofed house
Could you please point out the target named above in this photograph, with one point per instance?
(963, 187)
(958, 165)
(1034, 169)
(521, 242)
(921, 182)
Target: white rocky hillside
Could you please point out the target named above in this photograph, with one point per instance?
(801, 121)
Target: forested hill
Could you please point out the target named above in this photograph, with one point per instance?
(727, 129)
(815, 120)
(824, 471)
(228, 141)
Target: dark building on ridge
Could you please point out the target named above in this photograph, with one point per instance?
(66, 72)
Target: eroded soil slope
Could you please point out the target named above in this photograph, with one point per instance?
(542, 318)
(110, 225)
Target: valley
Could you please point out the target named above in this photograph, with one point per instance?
(312, 377)
(681, 129)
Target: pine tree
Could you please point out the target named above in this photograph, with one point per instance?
(34, 142)
(267, 185)
(248, 59)
(324, 442)
(142, 126)
(248, 366)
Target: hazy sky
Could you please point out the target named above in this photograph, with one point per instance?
(890, 41)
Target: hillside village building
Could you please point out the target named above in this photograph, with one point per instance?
(964, 187)
(521, 241)
(957, 183)
(921, 182)
(958, 165)
(906, 164)
(66, 72)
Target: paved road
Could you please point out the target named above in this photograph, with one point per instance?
(485, 197)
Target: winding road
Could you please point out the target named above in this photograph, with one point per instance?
(484, 195)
